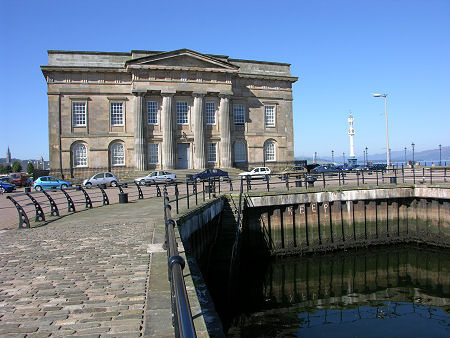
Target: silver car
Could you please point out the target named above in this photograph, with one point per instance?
(158, 176)
(102, 178)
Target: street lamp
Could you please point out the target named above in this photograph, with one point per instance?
(332, 156)
(412, 145)
(405, 155)
(367, 157)
(388, 157)
(440, 155)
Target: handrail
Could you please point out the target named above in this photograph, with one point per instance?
(183, 322)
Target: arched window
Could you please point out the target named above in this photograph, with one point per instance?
(269, 153)
(240, 153)
(117, 154)
(80, 155)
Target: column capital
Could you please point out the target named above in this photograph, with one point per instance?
(198, 94)
(167, 94)
(139, 93)
(224, 95)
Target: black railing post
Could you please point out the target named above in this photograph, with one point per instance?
(231, 184)
(249, 186)
(187, 194)
(287, 181)
(323, 179)
(219, 185)
(158, 190)
(176, 196)
(88, 204)
(23, 218)
(306, 181)
(431, 175)
(196, 193)
(414, 174)
(54, 208)
(141, 195)
(203, 182)
(423, 174)
(445, 173)
(395, 173)
(357, 178)
(209, 188)
(362, 177)
(403, 174)
(104, 195)
(343, 178)
(37, 208)
(339, 177)
(377, 176)
(267, 183)
(70, 204)
(382, 176)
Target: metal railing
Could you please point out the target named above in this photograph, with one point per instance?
(182, 317)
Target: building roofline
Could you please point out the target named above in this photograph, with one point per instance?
(52, 51)
(256, 61)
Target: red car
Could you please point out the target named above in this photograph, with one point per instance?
(19, 179)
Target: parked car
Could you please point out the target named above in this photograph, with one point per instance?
(6, 187)
(7, 180)
(156, 177)
(209, 173)
(258, 172)
(378, 166)
(19, 179)
(292, 171)
(50, 182)
(102, 178)
(326, 169)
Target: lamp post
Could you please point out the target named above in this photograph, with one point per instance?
(332, 156)
(388, 156)
(367, 157)
(440, 162)
(412, 145)
(405, 155)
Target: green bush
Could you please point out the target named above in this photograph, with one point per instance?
(30, 168)
(16, 167)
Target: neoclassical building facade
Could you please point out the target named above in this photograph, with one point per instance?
(166, 110)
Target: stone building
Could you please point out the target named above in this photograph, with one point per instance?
(170, 110)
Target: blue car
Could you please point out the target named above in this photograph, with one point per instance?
(6, 187)
(209, 173)
(50, 182)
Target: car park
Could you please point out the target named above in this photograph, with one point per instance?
(258, 172)
(156, 177)
(19, 179)
(106, 178)
(50, 182)
(6, 187)
(207, 174)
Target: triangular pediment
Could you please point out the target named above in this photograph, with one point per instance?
(183, 58)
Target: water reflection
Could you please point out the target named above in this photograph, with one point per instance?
(372, 292)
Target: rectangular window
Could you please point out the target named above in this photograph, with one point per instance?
(182, 112)
(116, 113)
(153, 157)
(212, 154)
(79, 114)
(269, 113)
(152, 112)
(239, 114)
(210, 108)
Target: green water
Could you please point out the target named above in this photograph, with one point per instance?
(379, 292)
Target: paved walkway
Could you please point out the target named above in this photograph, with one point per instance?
(100, 272)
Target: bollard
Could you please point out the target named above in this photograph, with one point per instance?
(123, 197)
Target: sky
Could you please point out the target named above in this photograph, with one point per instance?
(342, 51)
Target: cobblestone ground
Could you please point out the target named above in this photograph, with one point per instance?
(85, 274)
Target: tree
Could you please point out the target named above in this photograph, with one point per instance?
(6, 169)
(2, 169)
(30, 168)
(16, 167)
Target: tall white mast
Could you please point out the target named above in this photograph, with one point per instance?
(351, 133)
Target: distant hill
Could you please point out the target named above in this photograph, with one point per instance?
(431, 155)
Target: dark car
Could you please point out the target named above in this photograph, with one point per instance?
(6, 187)
(378, 166)
(326, 169)
(209, 173)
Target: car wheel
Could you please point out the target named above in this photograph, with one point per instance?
(63, 186)
(142, 182)
(88, 184)
(38, 188)
(113, 184)
(199, 179)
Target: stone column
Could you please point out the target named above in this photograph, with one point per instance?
(199, 133)
(225, 133)
(139, 138)
(168, 144)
